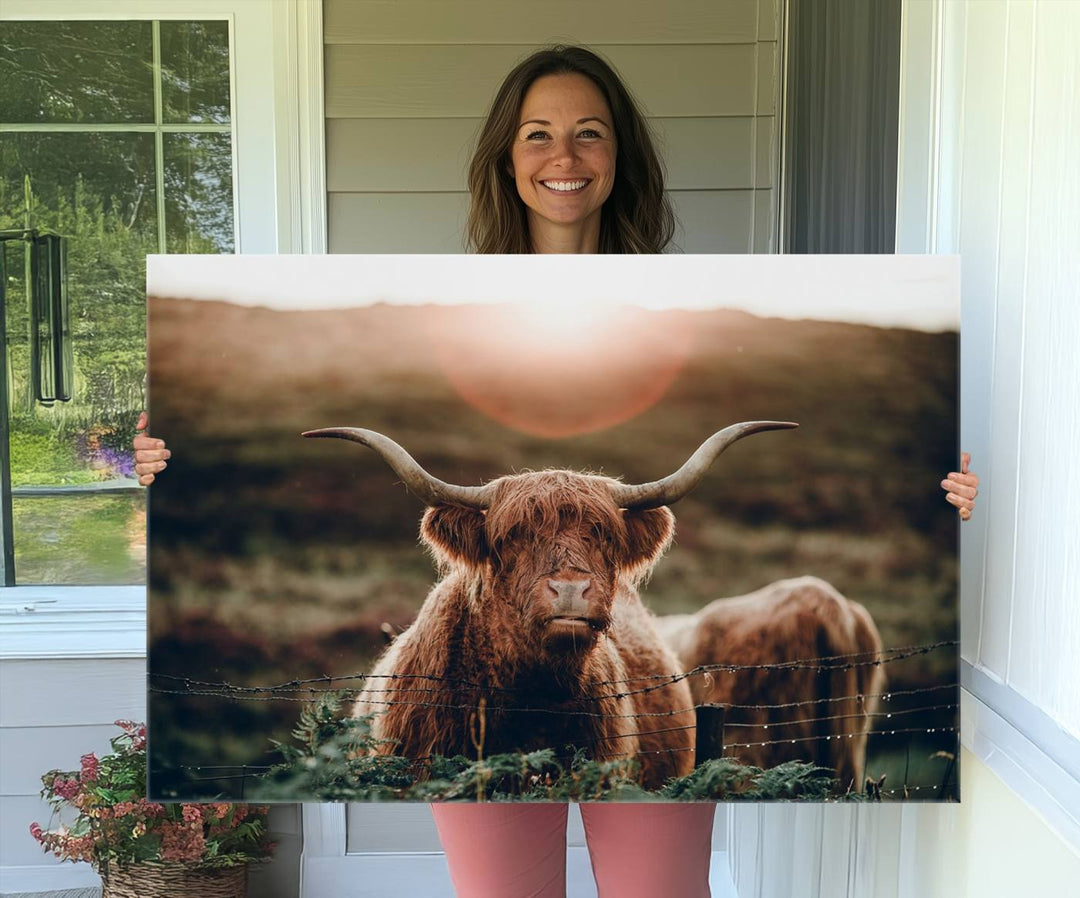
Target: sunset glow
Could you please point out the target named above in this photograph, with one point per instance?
(561, 368)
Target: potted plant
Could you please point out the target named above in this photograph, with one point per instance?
(143, 848)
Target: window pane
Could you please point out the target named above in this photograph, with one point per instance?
(81, 540)
(76, 72)
(98, 191)
(80, 180)
(195, 71)
(198, 193)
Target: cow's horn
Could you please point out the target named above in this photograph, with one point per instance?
(673, 487)
(418, 481)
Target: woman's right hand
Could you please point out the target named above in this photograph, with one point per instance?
(150, 453)
(961, 487)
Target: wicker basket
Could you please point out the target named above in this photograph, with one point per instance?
(149, 880)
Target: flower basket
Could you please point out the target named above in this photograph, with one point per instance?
(164, 880)
(143, 848)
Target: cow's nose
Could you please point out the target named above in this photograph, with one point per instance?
(570, 598)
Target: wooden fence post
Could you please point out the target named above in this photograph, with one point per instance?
(710, 732)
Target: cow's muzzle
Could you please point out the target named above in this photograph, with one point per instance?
(571, 606)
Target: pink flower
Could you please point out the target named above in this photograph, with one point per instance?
(150, 808)
(192, 813)
(181, 842)
(66, 789)
(36, 832)
(89, 767)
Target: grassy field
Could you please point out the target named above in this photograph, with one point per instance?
(103, 539)
(274, 558)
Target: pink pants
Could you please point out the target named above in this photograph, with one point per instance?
(519, 850)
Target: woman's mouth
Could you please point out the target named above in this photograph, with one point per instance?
(567, 186)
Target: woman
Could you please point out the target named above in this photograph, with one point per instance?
(565, 164)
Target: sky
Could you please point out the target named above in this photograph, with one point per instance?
(918, 292)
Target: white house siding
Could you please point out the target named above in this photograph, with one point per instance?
(53, 711)
(408, 83)
(990, 135)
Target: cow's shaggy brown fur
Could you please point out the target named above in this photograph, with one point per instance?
(790, 620)
(486, 631)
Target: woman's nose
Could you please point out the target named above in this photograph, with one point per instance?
(564, 150)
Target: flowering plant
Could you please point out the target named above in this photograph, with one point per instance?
(115, 824)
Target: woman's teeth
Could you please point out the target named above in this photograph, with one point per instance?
(564, 186)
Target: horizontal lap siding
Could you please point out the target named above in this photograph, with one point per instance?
(408, 83)
(422, 81)
(525, 22)
(709, 221)
(53, 712)
(379, 155)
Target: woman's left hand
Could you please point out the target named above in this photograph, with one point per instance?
(962, 487)
(150, 454)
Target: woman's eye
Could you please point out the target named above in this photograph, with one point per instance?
(589, 132)
(536, 135)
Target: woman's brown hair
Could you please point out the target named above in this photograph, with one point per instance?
(637, 216)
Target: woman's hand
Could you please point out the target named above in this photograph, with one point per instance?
(150, 454)
(961, 487)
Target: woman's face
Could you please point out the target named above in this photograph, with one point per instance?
(563, 154)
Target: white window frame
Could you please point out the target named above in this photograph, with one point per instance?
(280, 206)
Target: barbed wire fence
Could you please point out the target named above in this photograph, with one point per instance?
(722, 729)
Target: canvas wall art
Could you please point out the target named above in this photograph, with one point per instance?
(481, 527)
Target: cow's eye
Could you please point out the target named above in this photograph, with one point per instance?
(602, 536)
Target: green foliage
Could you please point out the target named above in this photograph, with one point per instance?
(718, 776)
(41, 458)
(333, 760)
(81, 539)
(793, 781)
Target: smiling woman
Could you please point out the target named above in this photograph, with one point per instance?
(563, 117)
(563, 161)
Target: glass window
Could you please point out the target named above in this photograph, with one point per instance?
(67, 72)
(117, 136)
(195, 71)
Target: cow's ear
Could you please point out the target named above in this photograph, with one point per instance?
(648, 534)
(455, 534)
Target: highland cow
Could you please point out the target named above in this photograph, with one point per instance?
(768, 636)
(536, 637)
